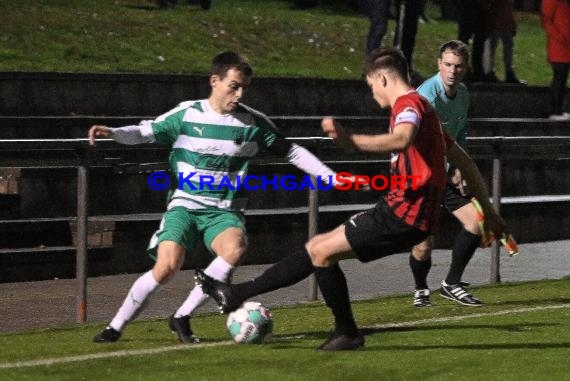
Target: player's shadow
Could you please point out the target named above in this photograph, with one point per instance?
(290, 341)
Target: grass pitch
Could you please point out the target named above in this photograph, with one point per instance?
(279, 40)
(521, 333)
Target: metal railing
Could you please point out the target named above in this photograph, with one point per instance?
(76, 153)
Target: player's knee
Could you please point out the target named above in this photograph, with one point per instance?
(164, 271)
(231, 245)
(233, 254)
(422, 251)
(319, 256)
(170, 257)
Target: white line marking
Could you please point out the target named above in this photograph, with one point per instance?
(463, 317)
(150, 351)
(103, 355)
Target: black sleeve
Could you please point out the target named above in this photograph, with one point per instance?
(280, 146)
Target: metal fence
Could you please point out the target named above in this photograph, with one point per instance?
(76, 153)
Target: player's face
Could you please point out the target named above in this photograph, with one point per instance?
(227, 92)
(377, 83)
(452, 68)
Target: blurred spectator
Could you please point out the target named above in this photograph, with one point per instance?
(422, 10)
(527, 5)
(406, 30)
(448, 9)
(555, 16)
(473, 21)
(377, 12)
(503, 26)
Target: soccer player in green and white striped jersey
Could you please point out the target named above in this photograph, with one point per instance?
(214, 137)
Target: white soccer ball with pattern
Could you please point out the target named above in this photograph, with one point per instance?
(252, 323)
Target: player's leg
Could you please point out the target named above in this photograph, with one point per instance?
(325, 252)
(170, 256)
(167, 247)
(220, 269)
(465, 245)
(288, 271)
(420, 264)
(225, 236)
(370, 235)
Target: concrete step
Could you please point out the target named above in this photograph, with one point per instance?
(141, 94)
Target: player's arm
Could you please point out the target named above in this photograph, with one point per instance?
(400, 139)
(303, 159)
(469, 171)
(138, 134)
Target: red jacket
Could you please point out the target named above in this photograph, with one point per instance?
(555, 15)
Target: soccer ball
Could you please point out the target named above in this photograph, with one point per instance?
(250, 324)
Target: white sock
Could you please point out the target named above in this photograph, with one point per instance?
(136, 300)
(218, 269)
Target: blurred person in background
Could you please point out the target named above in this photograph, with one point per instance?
(502, 26)
(377, 12)
(555, 17)
(408, 14)
(473, 23)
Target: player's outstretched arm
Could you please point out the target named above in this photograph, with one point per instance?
(139, 134)
(98, 131)
(458, 158)
(334, 130)
(399, 140)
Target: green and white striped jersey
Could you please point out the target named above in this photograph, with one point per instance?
(208, 144)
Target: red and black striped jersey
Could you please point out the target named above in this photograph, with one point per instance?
(418, 204)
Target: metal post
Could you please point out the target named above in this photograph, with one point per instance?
(496, 196)
(81, 244)
(313, 230)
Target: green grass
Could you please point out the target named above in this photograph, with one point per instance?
(521, 333)
(134, 36)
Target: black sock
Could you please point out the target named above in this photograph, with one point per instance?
(288, 271)
(463, 249)
(332, 283)
(420, 270)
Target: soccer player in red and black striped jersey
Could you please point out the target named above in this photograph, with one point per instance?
(401, 219)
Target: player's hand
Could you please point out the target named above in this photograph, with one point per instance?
(98, 131)
(495, 225)
(490, 223)
(336, 132)
(493, 228)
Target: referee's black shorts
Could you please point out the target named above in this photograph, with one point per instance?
(377, 233)
(453, 199)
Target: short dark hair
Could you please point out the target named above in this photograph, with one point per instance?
(391, 59)
(227, 60)
(456, 47)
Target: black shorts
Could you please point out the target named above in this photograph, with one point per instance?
(453, 199)
(377, 233)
